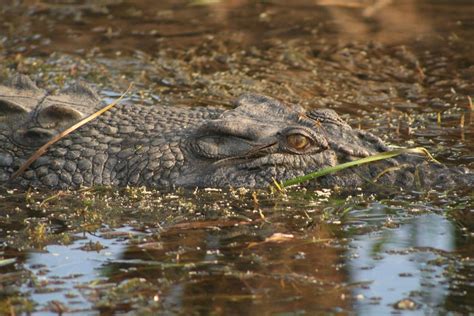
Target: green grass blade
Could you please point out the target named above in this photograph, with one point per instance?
(5, 262)
(376, 157)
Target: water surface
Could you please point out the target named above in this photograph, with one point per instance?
(402, 69)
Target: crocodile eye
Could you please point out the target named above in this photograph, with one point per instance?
(298, 141)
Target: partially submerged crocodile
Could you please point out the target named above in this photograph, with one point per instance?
(261, 139)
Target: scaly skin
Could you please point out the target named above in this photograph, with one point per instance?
(159, 146)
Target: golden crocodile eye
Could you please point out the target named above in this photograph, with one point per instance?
(297, 141)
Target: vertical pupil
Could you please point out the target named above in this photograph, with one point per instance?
(297, 141)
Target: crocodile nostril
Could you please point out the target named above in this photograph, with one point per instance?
(38, 133)
(33, 137)
(7, 107)
(56, 115)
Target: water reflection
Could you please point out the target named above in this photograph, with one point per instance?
(290, 261)
(151, 26)
(399, 265)
(64, 274)
(229, 271)
(374, 20)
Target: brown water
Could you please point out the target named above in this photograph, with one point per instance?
(403, 69)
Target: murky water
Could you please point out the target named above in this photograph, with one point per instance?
(403, 69)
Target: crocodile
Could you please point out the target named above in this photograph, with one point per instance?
(257, 141)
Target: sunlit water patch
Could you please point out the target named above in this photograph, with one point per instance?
(66, 276)
(398, 265)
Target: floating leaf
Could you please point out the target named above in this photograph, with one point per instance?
(276, 237)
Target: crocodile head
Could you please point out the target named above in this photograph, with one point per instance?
(263, 139)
